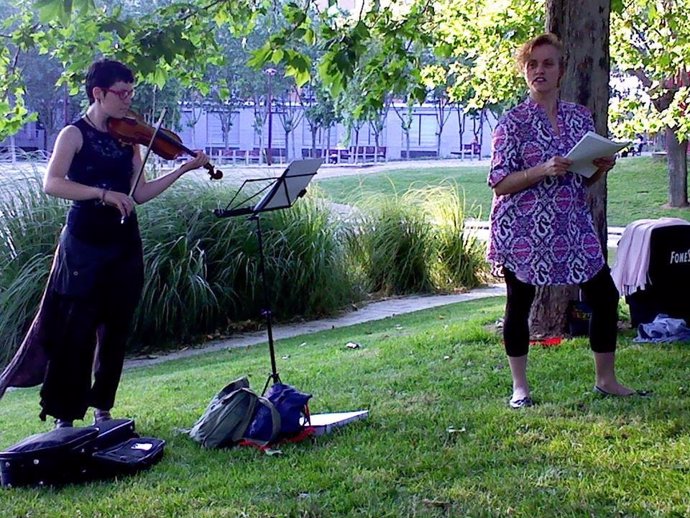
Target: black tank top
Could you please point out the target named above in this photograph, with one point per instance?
(101, 162)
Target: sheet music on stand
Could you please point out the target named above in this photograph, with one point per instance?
(282, 193)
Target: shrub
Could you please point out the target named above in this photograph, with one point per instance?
(30, 223)
(203, 273)
(416, 243)
(395, 246)
(458, 256)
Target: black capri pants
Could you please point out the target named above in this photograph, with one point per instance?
(600, 294)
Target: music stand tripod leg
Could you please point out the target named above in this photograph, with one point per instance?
(266, 312)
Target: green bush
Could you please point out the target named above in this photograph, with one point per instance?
(395, 246)
(30, 224)
(417, 243)
(203, 273)
(459, 257)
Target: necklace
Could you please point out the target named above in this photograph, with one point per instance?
(88, 119)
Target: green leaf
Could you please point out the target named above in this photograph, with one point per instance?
(260, 57)
(309, 36)
(617, 6)
(49, 10)
(277, 56)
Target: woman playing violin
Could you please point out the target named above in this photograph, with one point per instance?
(97, 275)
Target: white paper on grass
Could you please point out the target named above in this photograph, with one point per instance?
(589, 148)
(326, 423)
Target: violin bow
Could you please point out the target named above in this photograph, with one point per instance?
(148, 150)
(146, 156)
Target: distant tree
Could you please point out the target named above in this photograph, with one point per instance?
(442, 110)
(290, 115)
(194, 106)
(319, 109)
(405, 114)
(650, 41)
(377, 121)
(150, 100)
(50, 102)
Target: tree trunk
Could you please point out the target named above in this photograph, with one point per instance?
(461, 128)
(583, 27)
(313, 129)
(676, 152)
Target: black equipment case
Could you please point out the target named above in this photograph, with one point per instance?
(114, 431)
(668, 273)
(51, 458)
(128, 457)
(67, 455)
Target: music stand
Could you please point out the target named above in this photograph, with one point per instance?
(280, 193)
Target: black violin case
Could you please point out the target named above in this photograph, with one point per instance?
(51, 458)
(78, 454)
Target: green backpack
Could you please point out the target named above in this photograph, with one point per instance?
(228, 415)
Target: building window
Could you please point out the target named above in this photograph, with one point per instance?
(423, 130)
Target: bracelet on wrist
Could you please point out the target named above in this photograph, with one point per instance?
(103, 193)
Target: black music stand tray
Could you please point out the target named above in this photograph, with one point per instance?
(280, 193)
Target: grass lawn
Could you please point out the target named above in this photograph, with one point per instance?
(440, 440)
(637, 188)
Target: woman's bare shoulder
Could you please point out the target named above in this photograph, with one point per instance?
(70, 136)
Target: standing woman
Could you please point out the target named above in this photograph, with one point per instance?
(541, 226)
(96, 280)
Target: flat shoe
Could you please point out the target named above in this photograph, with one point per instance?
(524, 402)
(100, 416)
(602, 392)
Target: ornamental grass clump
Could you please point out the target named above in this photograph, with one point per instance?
(458, 255)
(417, 243)
(394, 245)
(177, 302)
(309, 272)
(30, 223)
(203, 273)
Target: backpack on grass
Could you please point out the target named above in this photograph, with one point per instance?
(292, 407)
(225, 421)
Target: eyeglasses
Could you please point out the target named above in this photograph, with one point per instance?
(123, 94)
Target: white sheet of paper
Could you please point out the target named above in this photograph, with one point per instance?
(295, 178)
(589, 148)
(326, 423)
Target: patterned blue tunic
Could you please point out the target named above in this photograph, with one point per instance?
(544, 234)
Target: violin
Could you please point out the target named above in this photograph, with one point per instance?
(132, 129)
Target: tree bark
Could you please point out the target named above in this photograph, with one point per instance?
(583, 27)
(676, 152)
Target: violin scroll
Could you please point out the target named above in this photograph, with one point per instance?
(215, 174)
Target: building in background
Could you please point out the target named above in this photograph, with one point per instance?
(247, 143)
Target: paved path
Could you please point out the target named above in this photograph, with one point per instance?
(370, 312)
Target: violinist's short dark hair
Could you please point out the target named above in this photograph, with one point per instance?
(104, 73)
